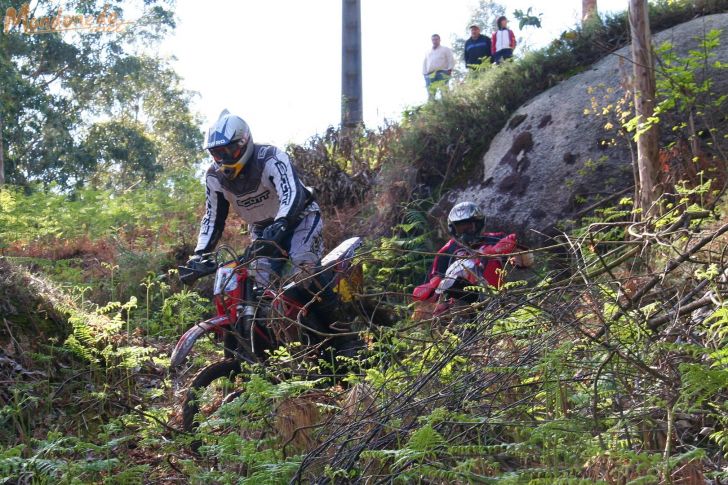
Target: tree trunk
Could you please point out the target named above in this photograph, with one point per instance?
(644, 103)
(2, 153)
(588, 11)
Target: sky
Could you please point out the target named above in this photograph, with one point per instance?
(277, 63)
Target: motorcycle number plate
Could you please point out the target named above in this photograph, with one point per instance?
(225, 280)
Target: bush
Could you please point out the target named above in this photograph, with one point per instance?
(157, 212)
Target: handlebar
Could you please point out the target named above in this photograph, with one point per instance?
(195, 270)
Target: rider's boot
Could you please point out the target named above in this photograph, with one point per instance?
(330, 311)
(348, 345)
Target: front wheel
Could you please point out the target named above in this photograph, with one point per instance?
(206, 388)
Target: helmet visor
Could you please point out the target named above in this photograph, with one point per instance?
(465, 227)
(468, 227)
(228, 154)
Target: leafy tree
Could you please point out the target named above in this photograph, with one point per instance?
(121, 150)
(148, 91)
(58, 92)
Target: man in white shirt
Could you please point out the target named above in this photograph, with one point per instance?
(437, 67)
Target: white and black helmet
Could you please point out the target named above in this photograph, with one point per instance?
(462, 213)
(230, 143)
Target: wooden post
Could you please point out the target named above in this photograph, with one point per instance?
(644, 103)
(351, 90)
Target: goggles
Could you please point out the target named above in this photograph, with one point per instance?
(228, 154)
(471, 227)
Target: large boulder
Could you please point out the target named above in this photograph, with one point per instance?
(559, 152)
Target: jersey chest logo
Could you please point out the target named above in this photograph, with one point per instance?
(253, 201)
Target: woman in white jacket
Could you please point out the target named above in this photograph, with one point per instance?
(503, 42)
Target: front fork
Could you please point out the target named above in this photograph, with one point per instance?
(244, 327)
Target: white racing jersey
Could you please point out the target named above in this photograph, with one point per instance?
(266, 189)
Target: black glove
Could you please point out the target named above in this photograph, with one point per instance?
(187, 275)
(276, 231)
(195, 268)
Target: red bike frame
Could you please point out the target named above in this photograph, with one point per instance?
(231, 282)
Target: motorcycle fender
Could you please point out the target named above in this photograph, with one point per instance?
(425, 290)
(185, 343)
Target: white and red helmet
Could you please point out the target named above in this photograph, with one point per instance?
(465, 222)
(230, 143)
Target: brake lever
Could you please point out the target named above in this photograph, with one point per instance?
(261, 248)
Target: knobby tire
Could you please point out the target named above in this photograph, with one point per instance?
(207, 375)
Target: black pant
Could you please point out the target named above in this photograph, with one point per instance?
(502, 54)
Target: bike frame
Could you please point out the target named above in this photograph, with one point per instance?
(233, 298)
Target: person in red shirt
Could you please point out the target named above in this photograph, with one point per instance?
(469, 257)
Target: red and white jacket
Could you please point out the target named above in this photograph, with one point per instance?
(503, 39)
(452, 263)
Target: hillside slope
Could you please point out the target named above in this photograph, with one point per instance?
(611, 369)
(564, 148)
(30, 305)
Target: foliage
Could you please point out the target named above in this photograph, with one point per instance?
(122, 150)
(528, 391)
(526, 19)
(62, 90)
(593, 372)
(260, 454)
(679, 89)
(340, 167)
(181, 310)
(166, 206)
(403, 259)
(474, 112)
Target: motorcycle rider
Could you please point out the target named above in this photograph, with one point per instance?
(262, 187)
(460, 262)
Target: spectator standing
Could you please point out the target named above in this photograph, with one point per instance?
(437, 67)
(477, 49)
(504, 41)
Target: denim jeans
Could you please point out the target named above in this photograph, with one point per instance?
(434, 81)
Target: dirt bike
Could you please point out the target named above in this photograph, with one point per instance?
(253, 321)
